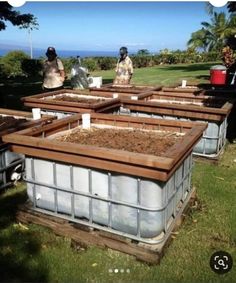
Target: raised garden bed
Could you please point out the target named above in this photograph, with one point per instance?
(190, 88)
(128, 91)
(137, 195)
(65, 102)
(226, 91)
(12, 121)
(212, 110)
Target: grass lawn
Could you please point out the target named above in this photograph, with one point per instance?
(165, 75)
(30, 253)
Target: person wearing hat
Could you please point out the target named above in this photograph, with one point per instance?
(124, 68)
(53, 71)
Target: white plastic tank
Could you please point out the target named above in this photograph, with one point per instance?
(122, 202)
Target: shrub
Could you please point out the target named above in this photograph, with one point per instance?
(68, 63)
(106, 63)
(141, 61)
(12, 62)
(91, 64)
(31, 67)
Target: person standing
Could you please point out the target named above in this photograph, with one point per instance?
(53, 71)
(124, 68)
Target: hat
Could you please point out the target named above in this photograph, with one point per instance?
(51, 51)
(123, 50)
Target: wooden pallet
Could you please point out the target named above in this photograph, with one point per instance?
(84, 236)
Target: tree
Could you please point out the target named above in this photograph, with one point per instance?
(143, 52)
(12, 63)
(212, 36)
(231, 7)
(8, 14)
(198, 40)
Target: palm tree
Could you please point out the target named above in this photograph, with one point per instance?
(198, 40)
(212, 36)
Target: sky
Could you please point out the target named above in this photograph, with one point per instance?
(106, 26)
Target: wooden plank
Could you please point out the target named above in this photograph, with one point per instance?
(30, 123)
(132, 89)
(141, 120)
(93, 151)
(110, 166)
(150, 253)
(179, 96)
(183, 90)
(197, 109)
(11, 112)
(60, 108)
(55, 124)
(163, 110)
(39, 100)
(82, 105)
(120, 121)
(178, 149)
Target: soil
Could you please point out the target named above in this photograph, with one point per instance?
(7, 122)
(155, 143)
(78, 99)
(211, 104)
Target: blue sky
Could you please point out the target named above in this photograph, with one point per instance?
(105, 26)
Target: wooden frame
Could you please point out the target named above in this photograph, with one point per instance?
(226, 91)
(181, 110)
(66, 106)
(33, 142)
(24, 115)
(126, 92)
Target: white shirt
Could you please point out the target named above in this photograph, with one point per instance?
(51, 70)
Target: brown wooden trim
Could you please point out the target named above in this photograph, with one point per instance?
(45, 119)
(60, 108)
(195, 112)
(156, 174)
(93, 151)
(30, 141)
(132, 89)
(183, 90)
(158, 110)
(177, 150)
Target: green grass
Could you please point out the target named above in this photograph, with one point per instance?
(31, 253)
(165, 75)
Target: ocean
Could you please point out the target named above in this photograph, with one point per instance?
(64, 53)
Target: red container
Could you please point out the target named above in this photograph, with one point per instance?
(218, 75)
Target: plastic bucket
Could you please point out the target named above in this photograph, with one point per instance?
(218, 75)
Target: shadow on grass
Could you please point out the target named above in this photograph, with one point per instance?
(188, 68)
(19, 246)
(203, 77)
